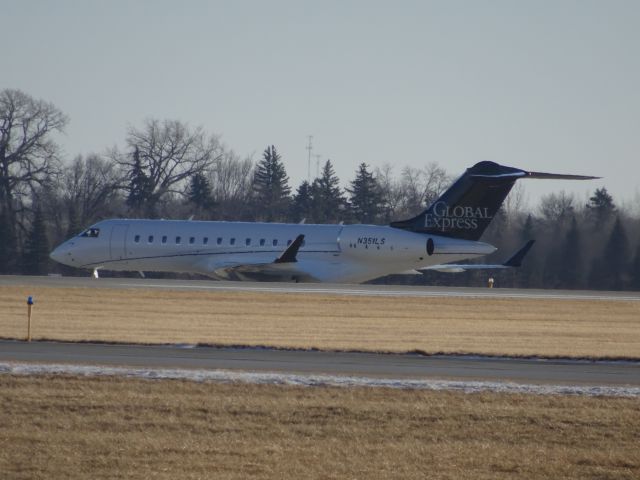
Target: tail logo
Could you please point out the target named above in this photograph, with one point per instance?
(443, 217)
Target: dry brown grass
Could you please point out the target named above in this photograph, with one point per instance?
(69, 427)
(490, 326)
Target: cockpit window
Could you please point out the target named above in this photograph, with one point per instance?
(91, 233)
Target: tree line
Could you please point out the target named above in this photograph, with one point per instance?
(168, 169)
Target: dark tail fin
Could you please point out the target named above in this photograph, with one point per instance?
(466, 209)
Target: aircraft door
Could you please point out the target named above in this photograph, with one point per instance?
(117, 242)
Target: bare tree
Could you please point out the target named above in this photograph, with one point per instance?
(515, 204)
(422, 186)
(230, 177)
(557, 208)
(28, 155)
(390, 190)
(87, 190)
(169, 153)
(89, 185)
(411, 182)
(436, 181)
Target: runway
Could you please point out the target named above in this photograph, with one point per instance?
(385, 369)
(318, 288)
(388, 366)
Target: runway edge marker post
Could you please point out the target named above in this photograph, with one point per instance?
(29, 310)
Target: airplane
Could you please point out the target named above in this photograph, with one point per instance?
(448, 231)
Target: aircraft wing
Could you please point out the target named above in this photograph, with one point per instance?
(513, 262)
(283, 268)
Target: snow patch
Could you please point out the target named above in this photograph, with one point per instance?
(227, 376)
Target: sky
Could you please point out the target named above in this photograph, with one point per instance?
(541, 85)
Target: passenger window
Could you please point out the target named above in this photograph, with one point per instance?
(289, 242)
(275, 242)
(164, 239)
(232, 241)
(205, 240)
(150, 239)
(192, 240)
(262, 242)
(178, 240)
(219, 241)
(247, 242)
(136, 239)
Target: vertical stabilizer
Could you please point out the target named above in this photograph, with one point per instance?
(466, 209)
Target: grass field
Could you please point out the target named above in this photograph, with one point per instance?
(69, 427)
(580, 328)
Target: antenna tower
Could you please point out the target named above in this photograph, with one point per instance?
(309, 149)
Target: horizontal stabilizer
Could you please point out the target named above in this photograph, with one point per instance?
(559, 176)
(516, 259)
(462, 267)
(541, 175)
(446, 268)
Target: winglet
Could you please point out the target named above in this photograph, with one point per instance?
(289, 255)
(516, 259)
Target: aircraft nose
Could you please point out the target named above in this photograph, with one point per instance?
(61, 254)
(56, 255)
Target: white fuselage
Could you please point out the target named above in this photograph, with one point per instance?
(330, 253)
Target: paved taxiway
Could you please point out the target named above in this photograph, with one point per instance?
(320, 288)
(532, 371)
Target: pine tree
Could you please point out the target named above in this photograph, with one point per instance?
(139, 185)
(365, 196)
(634, 271)
(302, 204)
(595, 280)
(617, 254)
(36, 255)
(271, 191)
(611, 270)
(570, 262)
(525, 272)
(601, 207)
(8, 246)
(200, 195)
(527, 232)
(552, 270)
(328, 201)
